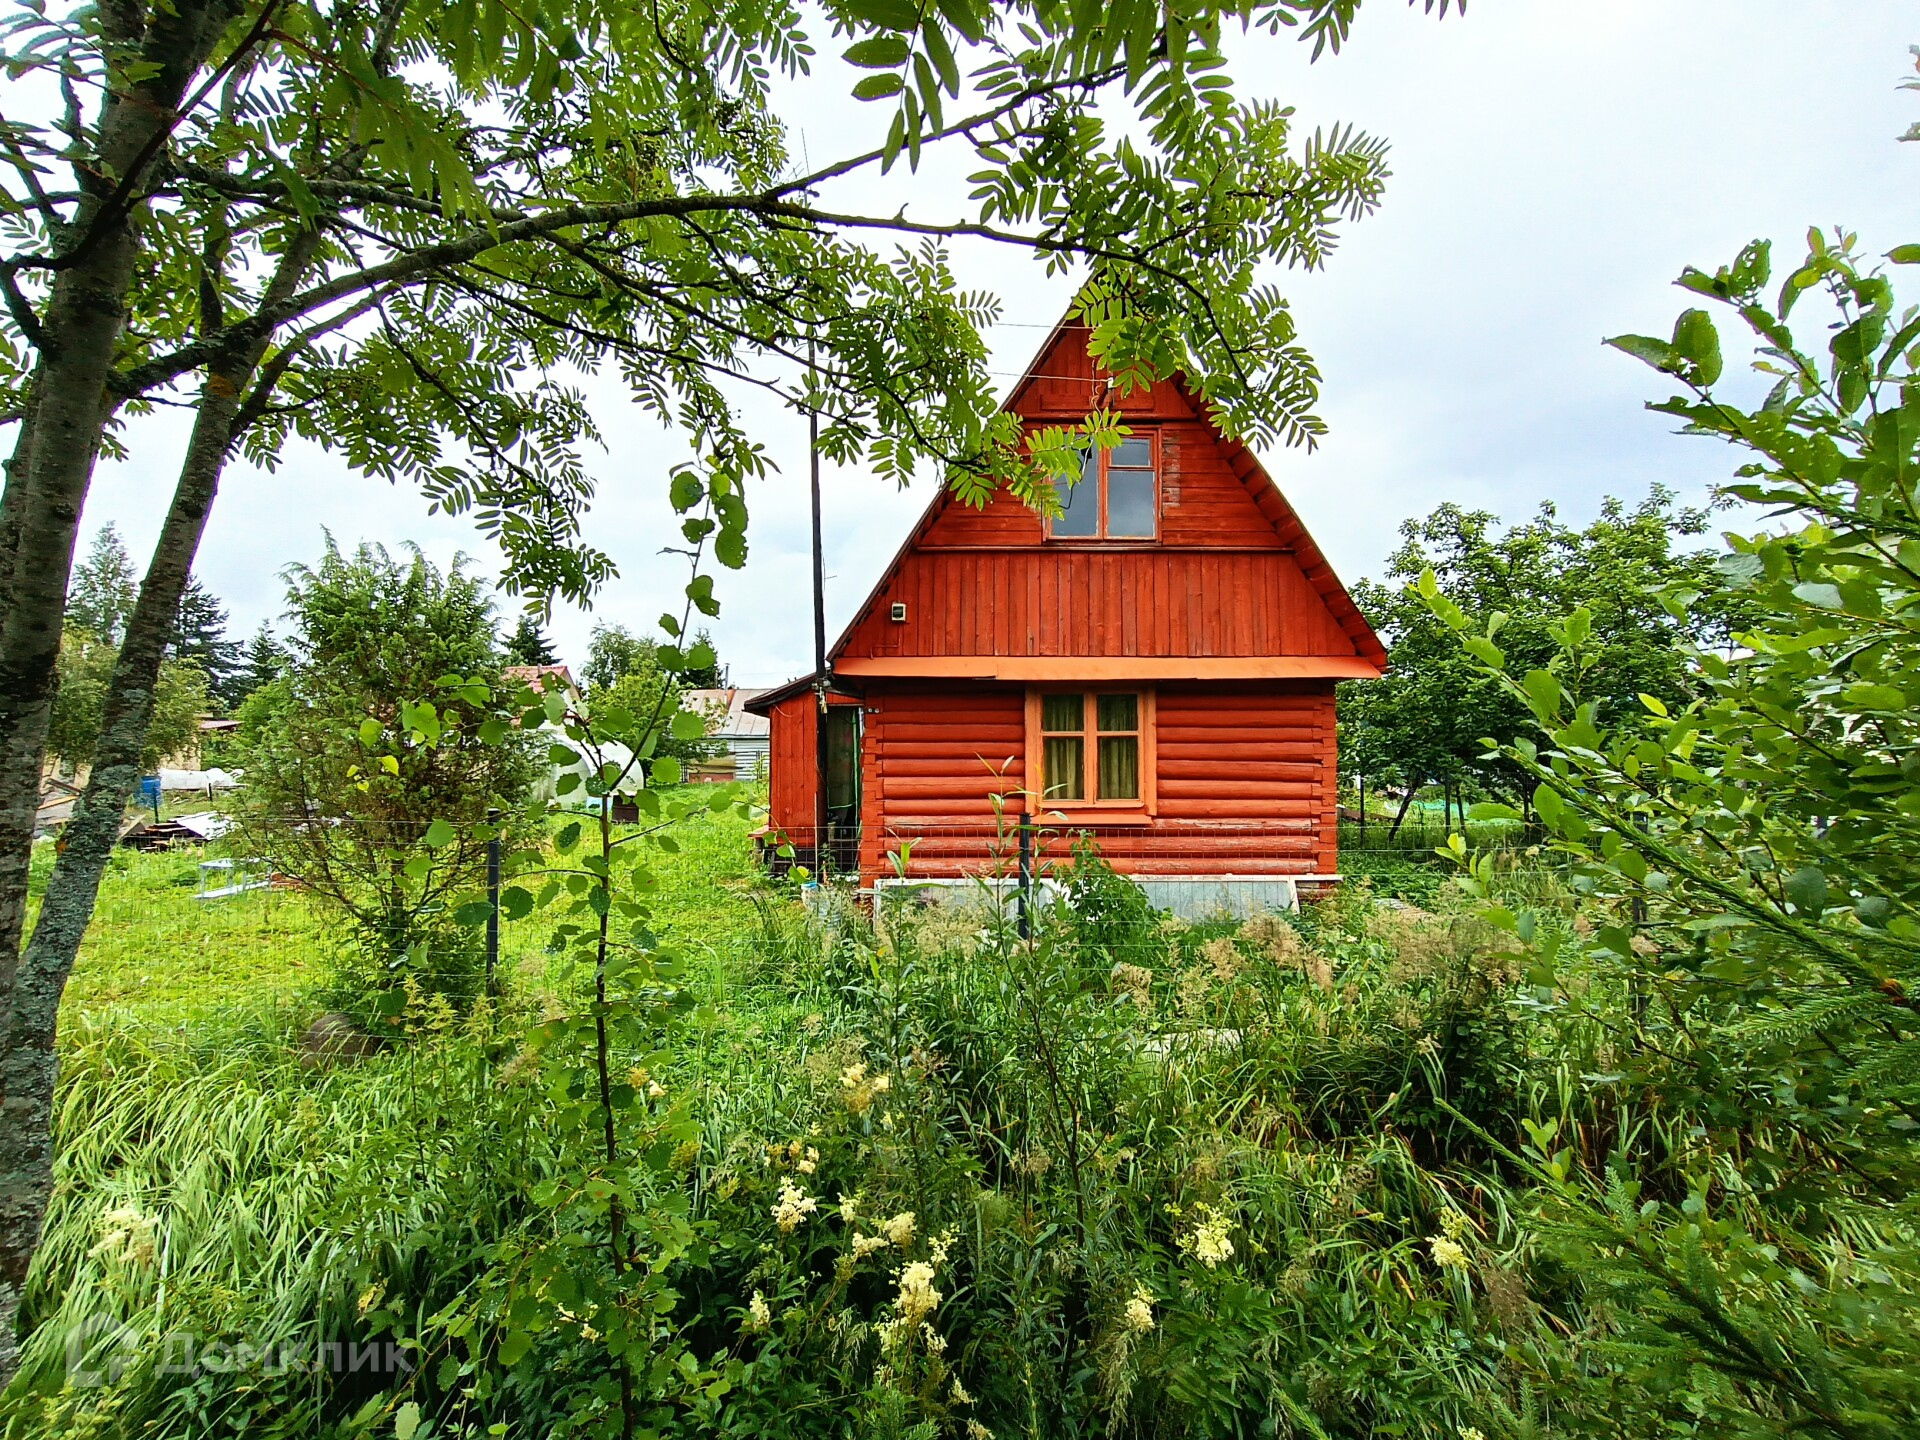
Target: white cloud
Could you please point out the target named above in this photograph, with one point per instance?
(1555, 167)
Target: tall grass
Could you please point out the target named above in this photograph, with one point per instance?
(1074, 1121)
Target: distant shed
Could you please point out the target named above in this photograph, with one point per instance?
(744, 734)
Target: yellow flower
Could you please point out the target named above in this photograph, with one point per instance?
(1139, 1316)
(1471, 1432)
(977, 1431)
(899, 1230)
(793, 1206)
(1453, 1224)
(1448, 1254)
(849, 1208)
(960, 1395)
(865, 1245)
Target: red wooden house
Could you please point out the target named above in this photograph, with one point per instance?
(1156, 667)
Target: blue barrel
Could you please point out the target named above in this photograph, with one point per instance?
(149, 790)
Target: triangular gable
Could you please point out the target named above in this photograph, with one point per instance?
(1245, 465)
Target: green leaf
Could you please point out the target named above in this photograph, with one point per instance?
(686, 725)
(568, 836)
(1806, 888)
(1819, 594)
(685, 490)
(516, 903)
(1491, 810)
(882, 52)
(406, 1422)
(667, 770)
(1657, 353)
(1905, 255)
(878, 87)
(1543, 693)
(1863, 697)
(1695, 338)
(439, 835)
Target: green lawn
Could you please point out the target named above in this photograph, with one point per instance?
(157, 956)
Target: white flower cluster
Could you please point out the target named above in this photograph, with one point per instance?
(1139, 1312)
(1207, 1241)
(793, 1206)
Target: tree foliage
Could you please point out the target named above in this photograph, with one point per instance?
(528, 644)
(200, 637)
(376, 801)
(1425, 720)
(1751, 865)
(613, 651)
(86, 671)
(101, 595)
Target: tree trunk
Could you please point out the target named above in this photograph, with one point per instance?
(28, 1064)
(27, 1061)
(1406, 804)
(79, 331)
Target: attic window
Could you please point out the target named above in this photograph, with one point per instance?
(1116, 497)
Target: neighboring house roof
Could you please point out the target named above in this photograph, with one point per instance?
(736, 722)
(535, 675)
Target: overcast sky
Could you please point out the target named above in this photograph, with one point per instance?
(1555, 166)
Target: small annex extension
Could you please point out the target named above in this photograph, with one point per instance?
(1155, 668)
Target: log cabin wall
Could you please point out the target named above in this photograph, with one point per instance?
(1245, 782)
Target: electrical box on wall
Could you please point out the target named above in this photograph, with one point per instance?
(899, 612)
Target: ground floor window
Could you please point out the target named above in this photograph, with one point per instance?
(1091, 746)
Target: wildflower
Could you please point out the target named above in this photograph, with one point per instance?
(942, 1243)
(1428, 1046)
(917, 1298)
(655, 1090)
(935, 1342)
(1447, 1254)
(1472, 1432)
(849, 1208)
(1453, 1224)
(794, 1206)
(865, 1245)
(1207, 1242)
(129, 1235)
(809, 1162)
(759, 1317)
(977, 1431)
(369, 1297)
(899, 1230)
(1139, 1316)
(959, 1393)
(1133, 982)
(858, 1090)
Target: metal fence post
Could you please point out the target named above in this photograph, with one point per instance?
(1026, 874)
(493, 896)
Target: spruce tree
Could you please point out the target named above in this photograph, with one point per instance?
(104, 584)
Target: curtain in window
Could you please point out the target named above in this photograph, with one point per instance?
(1119, 767)
(1066, 766)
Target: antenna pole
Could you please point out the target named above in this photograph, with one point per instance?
(820, 839)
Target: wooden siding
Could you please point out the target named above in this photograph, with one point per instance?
(1086, 601)
(1245, 782)
(793, 764)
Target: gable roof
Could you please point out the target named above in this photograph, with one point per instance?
(1245, 466)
